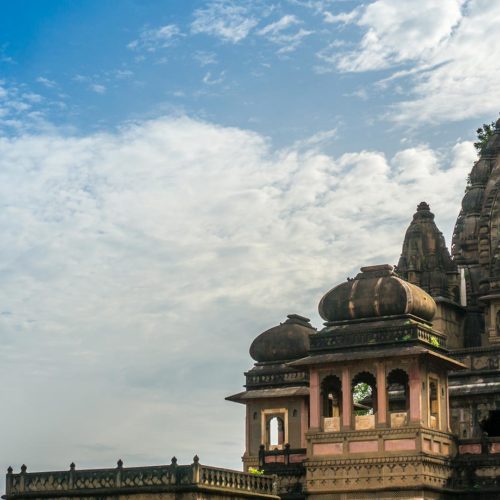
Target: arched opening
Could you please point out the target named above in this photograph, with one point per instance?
(275, 432)
(398, 397)
(364, 399)
(433, 404)
(331, 396)
(491, 425)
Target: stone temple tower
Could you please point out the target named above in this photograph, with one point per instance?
(426, 262)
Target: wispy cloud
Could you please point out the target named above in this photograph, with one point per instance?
(151, 40)
(441, 51)
(46, 82)
(98, 88)
(343, 17)
(227, 20)
(281, 33)
(210, 79)
(4, 57)
(205, 58)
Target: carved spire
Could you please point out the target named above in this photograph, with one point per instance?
(425, 261)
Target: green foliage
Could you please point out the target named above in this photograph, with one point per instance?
(361, 391)
(255, 471)
(483, 136)
(434, 341)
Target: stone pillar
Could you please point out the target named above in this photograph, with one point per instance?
(447, 405)
(247, 429)
(303, 423)
(381, 395)
(346, 398)
(314, 400)
(415, 393)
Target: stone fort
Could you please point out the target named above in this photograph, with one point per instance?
(397, 396)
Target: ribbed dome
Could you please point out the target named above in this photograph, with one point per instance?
(287, 341)
(472, 202)
(480, 172)
(376, 291)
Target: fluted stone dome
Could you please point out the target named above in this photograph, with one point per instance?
(472, 202)
(480, 172)
(287, 341)
(375, 292)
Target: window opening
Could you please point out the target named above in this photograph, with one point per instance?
(397, 391)
(364, 394)
(331, 390)
(433, 404)
(492, 424)
(275, 431)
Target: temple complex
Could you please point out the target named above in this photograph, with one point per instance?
(396, 396)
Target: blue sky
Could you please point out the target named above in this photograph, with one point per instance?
(177, 177)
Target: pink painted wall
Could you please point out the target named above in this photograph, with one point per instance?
(400, 444)
(495, 448)
(327, 448)
(314, 399)
(363, 446)
(415, 393)
(475, 449)
(346, 398)
(381, 394)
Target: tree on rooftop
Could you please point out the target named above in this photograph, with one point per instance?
(483, 136)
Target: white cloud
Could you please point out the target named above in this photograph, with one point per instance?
(209, 79)
(151, 40)
(280, 25)
(279, 32)
(396, 32)
(98, 88)
(443, 53)
(129, 261)
(205, 58)
(228, 20)
(318, 139)
(46, 82)
(18, 109)
(343, 17)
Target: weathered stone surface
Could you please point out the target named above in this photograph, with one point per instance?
(376, 292)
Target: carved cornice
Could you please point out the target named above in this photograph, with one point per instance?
(409, 459)
(400, 334)
(376, 433)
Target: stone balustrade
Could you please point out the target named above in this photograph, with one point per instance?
(136, 480)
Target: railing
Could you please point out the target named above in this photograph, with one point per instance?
(240, 481)
(287, 458)
(484, 445)
(477, 464)
(265, 379)
(384, 335)
(162, 478)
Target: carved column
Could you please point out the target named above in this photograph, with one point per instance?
(415, 392)
(346, 398)
(314, 399)
(381, 395)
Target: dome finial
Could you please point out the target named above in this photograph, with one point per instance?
(423, 211)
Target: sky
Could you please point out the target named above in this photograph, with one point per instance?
(176, 177)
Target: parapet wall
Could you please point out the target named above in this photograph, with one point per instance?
(165, 482)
